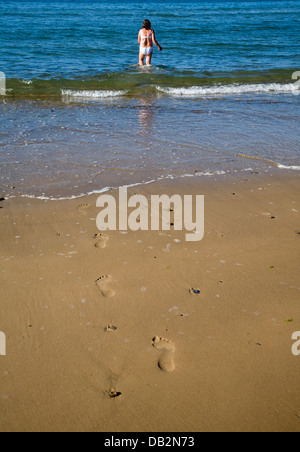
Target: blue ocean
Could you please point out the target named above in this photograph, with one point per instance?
(78, 114)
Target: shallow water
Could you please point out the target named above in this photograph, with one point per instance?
(79, 115)
(57, 150)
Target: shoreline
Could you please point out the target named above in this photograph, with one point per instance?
(206, 178)
(73, 150)
(144, 330)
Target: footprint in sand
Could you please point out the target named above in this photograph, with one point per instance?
(110, 329)
(101, 240)
(103, 285)
(167, 351)
(82, 209)
(114, 394)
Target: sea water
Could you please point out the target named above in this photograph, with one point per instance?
(80, 115)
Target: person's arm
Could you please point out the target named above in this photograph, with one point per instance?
(155, 42)
(139, 37)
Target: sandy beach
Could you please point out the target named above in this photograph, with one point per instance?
(143, 331)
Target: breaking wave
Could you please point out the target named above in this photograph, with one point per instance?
(197, 91)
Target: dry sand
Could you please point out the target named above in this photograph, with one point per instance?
(105, 334)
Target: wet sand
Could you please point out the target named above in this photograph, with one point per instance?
(143, 331)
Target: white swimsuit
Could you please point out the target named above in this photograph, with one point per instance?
(146, 50)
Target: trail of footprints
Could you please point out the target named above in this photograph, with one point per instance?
(164, 347)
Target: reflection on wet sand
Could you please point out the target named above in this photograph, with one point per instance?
(145, 117)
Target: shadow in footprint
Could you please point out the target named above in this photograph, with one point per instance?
(110, 329)
(195, 291)
(114, 394)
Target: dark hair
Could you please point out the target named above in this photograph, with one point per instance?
(147, 24)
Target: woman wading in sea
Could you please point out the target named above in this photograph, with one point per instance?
(146, 41)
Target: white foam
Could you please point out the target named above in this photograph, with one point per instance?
(195, 91)
(92, 94)
(138, 184)
(295, 168)
(208, 173)
(50, 198)
(107, 189)
(83, 195)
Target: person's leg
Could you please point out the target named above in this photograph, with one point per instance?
(149, 59)
(141, 62)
